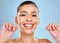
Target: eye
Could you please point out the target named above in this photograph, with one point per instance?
(22, 15)
(34, 15)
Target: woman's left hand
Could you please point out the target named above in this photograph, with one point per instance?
(54, 30)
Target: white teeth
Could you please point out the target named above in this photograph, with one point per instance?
(28, 24)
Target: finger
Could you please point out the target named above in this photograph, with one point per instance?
(14, 27)
(53, 27)
(10, 27)
(5, 26)
(48, 27)
(57, 26)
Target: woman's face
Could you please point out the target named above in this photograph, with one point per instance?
(28, 18)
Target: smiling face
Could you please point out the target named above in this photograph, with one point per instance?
(28, 18)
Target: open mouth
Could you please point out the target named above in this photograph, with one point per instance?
(28, 25)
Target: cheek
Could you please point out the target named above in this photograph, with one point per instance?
(35, 20)
(21, 19)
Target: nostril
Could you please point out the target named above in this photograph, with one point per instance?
(29, 19)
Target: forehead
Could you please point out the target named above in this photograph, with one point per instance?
(28, 8)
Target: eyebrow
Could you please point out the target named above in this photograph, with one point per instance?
(34, 12)
(26, 12)
(23, 12)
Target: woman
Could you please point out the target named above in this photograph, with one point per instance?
(27, 19)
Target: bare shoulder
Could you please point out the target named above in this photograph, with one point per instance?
(10, 41)
(44, 41)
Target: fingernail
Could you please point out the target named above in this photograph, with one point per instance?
(9, 28)
(13, 28)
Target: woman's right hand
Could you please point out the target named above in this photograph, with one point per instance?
(7, 31)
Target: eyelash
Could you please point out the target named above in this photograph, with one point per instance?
(34, 15)
(22, 15)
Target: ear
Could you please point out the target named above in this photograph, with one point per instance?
(16, 20)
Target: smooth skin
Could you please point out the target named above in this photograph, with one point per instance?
(54, 30)
(28, 14)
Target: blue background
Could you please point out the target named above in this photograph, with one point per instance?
(49, 13)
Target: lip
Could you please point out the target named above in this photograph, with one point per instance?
(28, 25)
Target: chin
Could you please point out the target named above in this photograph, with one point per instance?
(29, 32)
(28, 29)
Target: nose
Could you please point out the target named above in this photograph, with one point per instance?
(28, 18)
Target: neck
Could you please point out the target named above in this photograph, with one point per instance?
(27, 38)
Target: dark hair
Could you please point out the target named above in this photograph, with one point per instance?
(25, 3)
